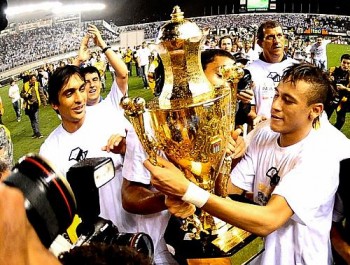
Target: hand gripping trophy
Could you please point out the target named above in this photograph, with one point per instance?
(190, 122)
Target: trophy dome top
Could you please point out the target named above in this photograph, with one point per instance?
(178, 28)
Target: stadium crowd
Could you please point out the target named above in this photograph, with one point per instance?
(39, 43)
(278, 99)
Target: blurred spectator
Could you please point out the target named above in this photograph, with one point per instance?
(15, 98)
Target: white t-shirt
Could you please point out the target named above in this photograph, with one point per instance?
(308, 182)
(320, 51)
(266, 77)
(112, 99)
(64, 149)
(152, 224)
(144, 54)
(14, 93)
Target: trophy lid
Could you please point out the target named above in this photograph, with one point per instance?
(178, 28)
(179, 45)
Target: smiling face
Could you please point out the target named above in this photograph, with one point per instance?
(93, 88)
(291, 115)
(72, 102)
(273, 44)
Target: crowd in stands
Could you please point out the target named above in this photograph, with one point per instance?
(43, 42)
(36, 44)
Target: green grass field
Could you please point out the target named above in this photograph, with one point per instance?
(21, 131)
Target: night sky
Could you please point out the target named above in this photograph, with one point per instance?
(125, 12)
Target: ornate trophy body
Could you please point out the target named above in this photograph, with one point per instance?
(190, 123)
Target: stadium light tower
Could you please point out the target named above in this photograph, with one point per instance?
(30, 8)
(53, 7)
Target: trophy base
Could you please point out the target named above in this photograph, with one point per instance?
(243, 255)
(230, 246)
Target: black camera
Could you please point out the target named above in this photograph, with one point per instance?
(51, 202)
(245, 81)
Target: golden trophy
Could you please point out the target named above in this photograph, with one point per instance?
(190, 123)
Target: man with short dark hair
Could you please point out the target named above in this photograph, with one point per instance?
(267, 70)
(72, 140)
(225, 43)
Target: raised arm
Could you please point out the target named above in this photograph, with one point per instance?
(121, 70)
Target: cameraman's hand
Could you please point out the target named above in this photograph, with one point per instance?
(178, 207)
(116, 144)
(19, 244)
(96, 35)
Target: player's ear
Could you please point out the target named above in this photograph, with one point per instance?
(316, 110)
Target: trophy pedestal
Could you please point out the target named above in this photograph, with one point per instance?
(232, 245)
(243, 254)
(226, 249)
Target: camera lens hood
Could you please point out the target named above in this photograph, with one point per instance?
(49, 200)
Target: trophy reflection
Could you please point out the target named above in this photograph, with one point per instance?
(190, 122)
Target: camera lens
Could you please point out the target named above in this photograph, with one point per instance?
(104, 231)
(139, 241)
(49, 201)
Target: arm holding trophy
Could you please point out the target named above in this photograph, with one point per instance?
(190, 124)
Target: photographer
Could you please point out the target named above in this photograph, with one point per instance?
(19, 244)
(340, 76)
(33, 97)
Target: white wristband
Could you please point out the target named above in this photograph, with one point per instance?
(196, 195)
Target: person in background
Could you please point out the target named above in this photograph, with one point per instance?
(33, 97)
(225, 43)
(143, 54)
(101, 67)
(267, 70)
(92, 75)
(340, 76)
(319, 52)
(128, 60)
(6, 152)
(15, 98)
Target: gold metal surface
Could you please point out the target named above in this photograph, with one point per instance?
(190, 122)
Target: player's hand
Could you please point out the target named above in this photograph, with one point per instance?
(116, 144)
(96, 35)
(178, 207)
(84, 52)
(167, 178)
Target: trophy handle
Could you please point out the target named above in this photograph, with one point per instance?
(232, 74)
(135, 111)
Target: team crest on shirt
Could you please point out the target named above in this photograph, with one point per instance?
(77, 154)
(274, 76)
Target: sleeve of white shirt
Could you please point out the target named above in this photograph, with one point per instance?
(115, 96)
(133, 169)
